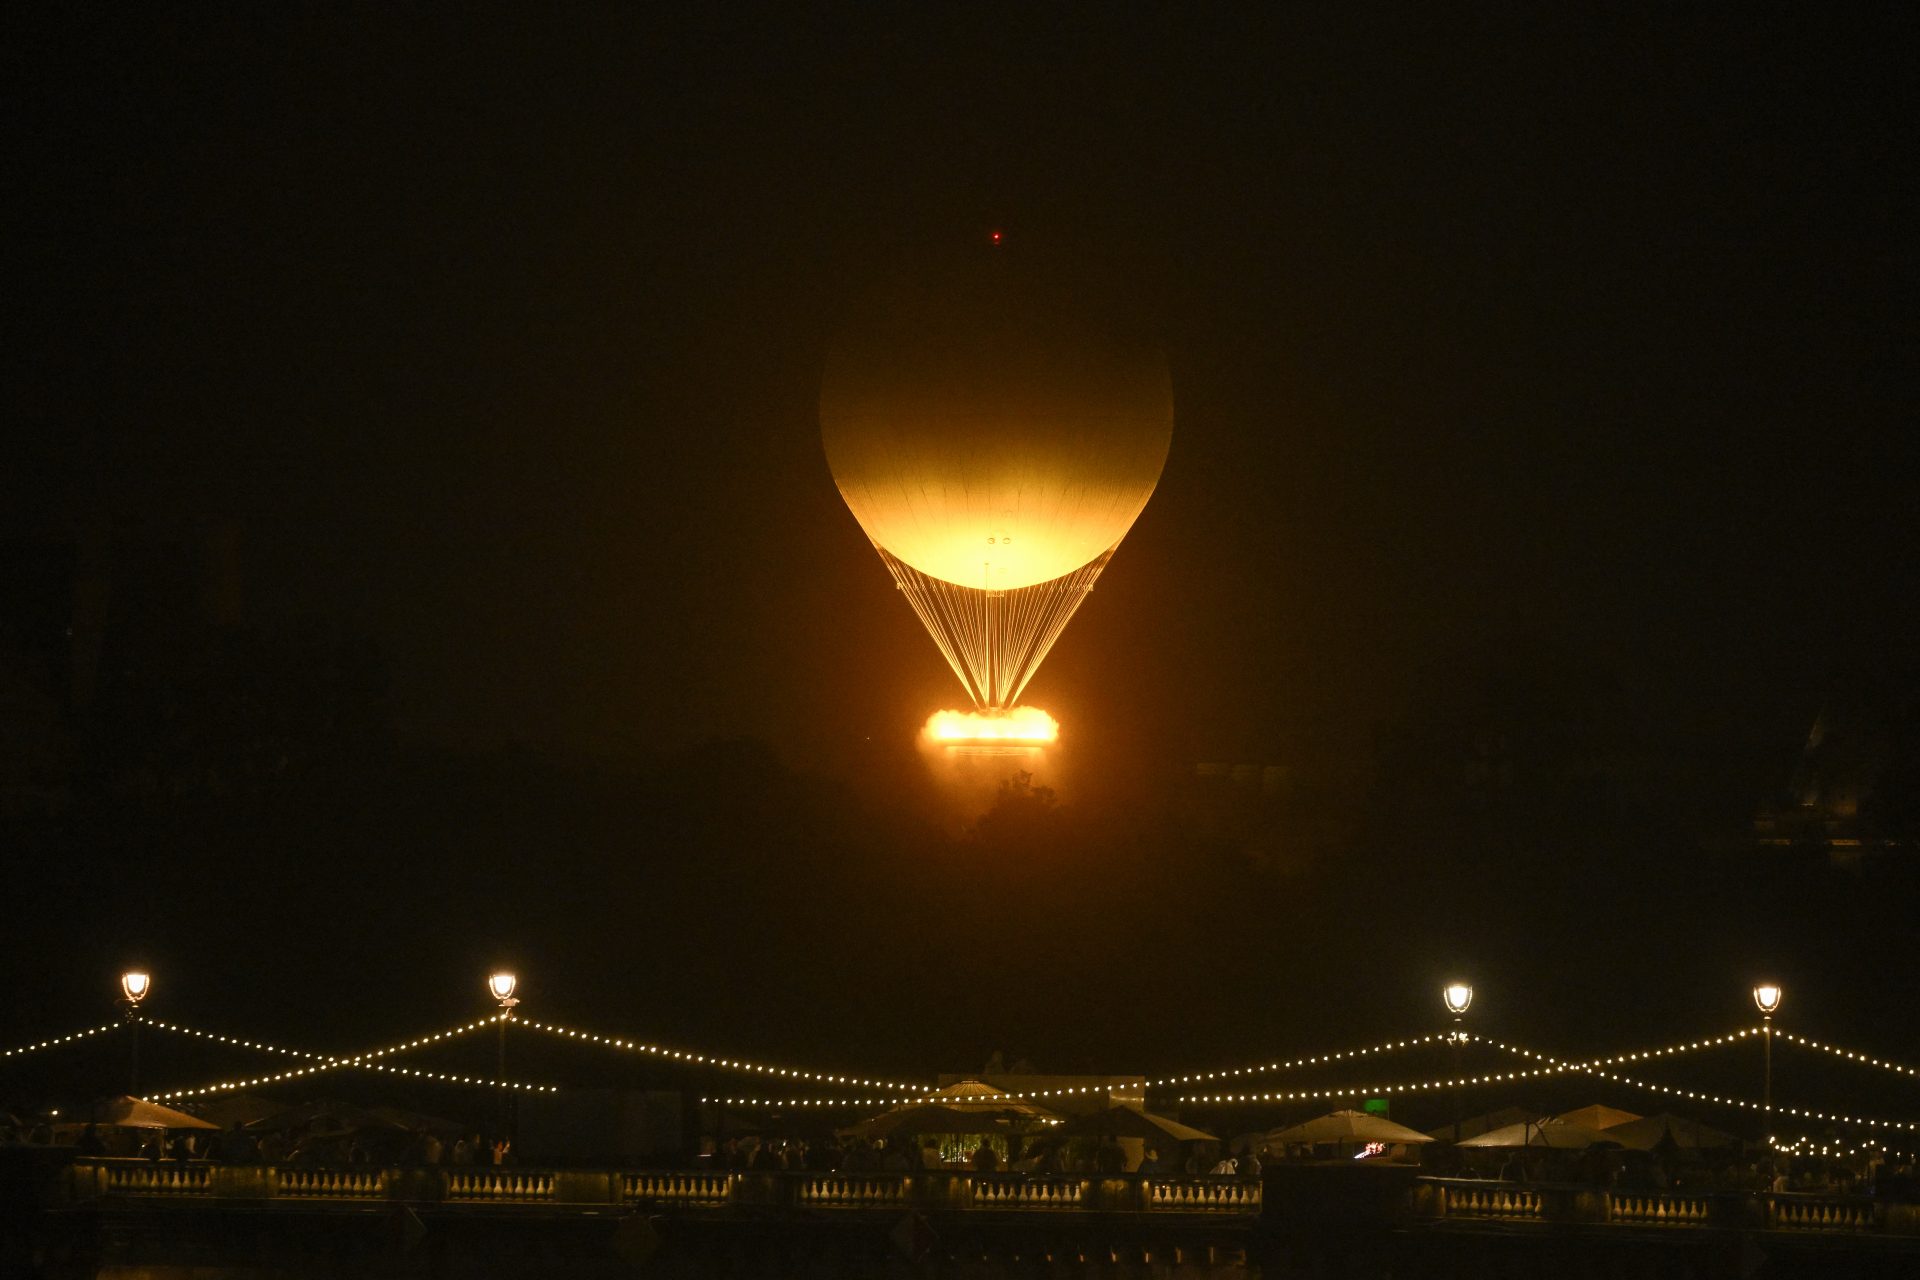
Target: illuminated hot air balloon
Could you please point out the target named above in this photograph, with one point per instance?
(996, 437)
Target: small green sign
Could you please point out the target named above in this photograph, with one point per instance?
(1374, 1106)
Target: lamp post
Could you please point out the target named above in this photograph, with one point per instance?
(134, 985)
(500, 985)
(1766, 997)
(1458, 996)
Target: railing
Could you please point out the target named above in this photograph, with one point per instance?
(1794, 1211)
(149, 1178)
(853, 1191)
(498, 1186)
(704, 1190)
(931, 1190)
(1656, 1209)
(1496, 1201)
(1196, 1196)
(1046, 1192)
(1436, 1198)
(329, 1184)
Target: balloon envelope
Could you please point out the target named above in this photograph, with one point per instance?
(987, 432)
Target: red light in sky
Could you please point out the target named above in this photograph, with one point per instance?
(996, 237)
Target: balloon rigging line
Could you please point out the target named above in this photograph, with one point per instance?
(994, 640)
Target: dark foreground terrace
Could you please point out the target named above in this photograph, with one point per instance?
(91, 1217)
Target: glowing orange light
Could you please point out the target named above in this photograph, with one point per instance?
(1020, 725)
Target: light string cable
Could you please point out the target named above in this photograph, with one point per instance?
(1557, 1068)
(1593, 1069)
(1851, 1055)
(1162, 1082)
(1808, 1145)
(56, 1041)
(730, 1064)
(366, 1061)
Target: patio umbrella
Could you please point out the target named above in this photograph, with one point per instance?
(324, 1116)
(1474, 1126)
(401, 1118)
(124, 1112)
(1344, 1127)
(1560, 1134)
(1599, 1116)
(1129, 1122)
(1649, 1132)
(966, 1107)
(227, 1109)
(914, 1121)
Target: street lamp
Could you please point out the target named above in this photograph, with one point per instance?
(134, 985)
(1458, 996)
(1766, 997)
(500, 985)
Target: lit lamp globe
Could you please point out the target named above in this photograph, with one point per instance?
(1766, 997)
(500, 986)
(134, 985)
(1458, 996)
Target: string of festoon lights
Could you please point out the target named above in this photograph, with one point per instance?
(730, 1064)
(1389, 1046)
(1080, 1089)
(1695, 1095)
(1466, 1037)
(1807, 1145)
(1864, 1059)
(367, 1061)
(58, 1040)
(1558, 1066)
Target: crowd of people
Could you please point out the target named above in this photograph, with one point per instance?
(855, 1154)
(298, 1145)
(1888, 1176)
(1672, 1169)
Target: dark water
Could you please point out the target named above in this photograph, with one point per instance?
(381, 1244)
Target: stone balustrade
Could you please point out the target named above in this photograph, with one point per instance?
(1490, 1201)
(1658, 1210)
(329, 1184)
(147, 1178)
(1551, 1203)
(1435, 1201)
(92, 1179)
(1205, 1196)
(699, 1190)
(1799, 1212)
(499, 1186)
(853, 1191)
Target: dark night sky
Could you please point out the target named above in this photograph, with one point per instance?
(1571, 342)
